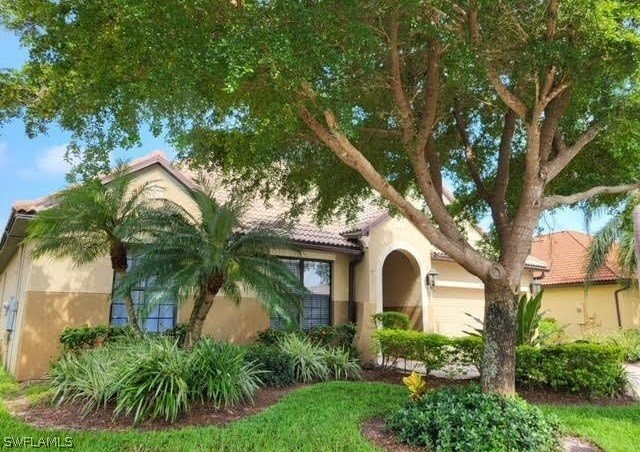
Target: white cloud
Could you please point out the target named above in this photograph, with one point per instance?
(50, 162)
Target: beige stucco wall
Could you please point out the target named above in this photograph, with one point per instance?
(47, 314)
(14, 281)
(593, 311)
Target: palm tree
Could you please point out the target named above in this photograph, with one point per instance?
(91, 220)
(199, 257)
(616, 238)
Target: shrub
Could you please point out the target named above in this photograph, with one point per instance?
(466, 352)
(218, 373)
(308, 359)
(580, 368)
(392, 320)
(465, 419)
(76, 339)
(628, 341)
(273, 336)
(178, 332)
(341, 365)
(154, 383)
(88, 378)
(277, 365)
(334, 336)
(550, 332)
(432, 350)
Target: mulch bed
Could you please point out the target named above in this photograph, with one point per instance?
(69, 416)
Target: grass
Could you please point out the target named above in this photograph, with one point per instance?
(322, 417)
(613, 428)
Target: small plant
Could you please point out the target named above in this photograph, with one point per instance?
(341, 365)
(88, 379)
(273, 336)
(528, 319)
(78, 339)
(550, 332)
(333, 336)
(465, 419)
(276, 365)
(392, 320)
(218, 373)
(155, 383)
(416, 385)
(308, 359)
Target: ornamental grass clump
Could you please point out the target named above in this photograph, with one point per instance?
(88, 379)
(155, 383)
(308, 359)
(341, 365)
(219, 374)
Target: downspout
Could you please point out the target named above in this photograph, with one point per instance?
(627, 285)
(352, 286)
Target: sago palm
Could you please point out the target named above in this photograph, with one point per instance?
(91, 220)
(212, 253)
(616, 239)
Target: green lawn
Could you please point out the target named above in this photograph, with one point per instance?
(322, 417)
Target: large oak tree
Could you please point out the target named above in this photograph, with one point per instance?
(524, 105)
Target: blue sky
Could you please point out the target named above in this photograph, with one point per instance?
(30, 168)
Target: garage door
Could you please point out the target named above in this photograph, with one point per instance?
(447, 308)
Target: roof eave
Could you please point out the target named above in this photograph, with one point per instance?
(12, 236)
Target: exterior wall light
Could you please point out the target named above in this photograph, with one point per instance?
(432, 278)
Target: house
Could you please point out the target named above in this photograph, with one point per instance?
(607, 304)
(353, 269)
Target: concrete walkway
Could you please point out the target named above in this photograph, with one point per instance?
(633, 380)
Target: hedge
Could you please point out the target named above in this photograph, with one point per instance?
(579, 368)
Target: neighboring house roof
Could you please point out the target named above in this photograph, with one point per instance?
(566, 253)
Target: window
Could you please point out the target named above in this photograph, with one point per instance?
(157, 318)
(316, 277)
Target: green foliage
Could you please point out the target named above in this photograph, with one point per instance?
(550, 332)
(78, 339)
(200, 256)
(615, 241)
(341, 365)
(467, 351)
(273, 336)
(155, 382)
(392, 320)
(627, 341)
(333, 336)
(465, 419)
(152, 377)
(432, 350)
(309, 363)
(220, 374)
(528, 319)
(276, 365)
(89, 378)
(579, 368)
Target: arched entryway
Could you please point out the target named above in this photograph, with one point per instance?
(401, 287)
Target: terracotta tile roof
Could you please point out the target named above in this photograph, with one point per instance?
(566, 253)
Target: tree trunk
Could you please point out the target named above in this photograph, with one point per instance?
(499, 356)
(119, 265)
(197, 318)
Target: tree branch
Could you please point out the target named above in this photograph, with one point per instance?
(498, 202)
(395, 81)
(447, 237)
(469, 155)
(566, 154)
(552, 201)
